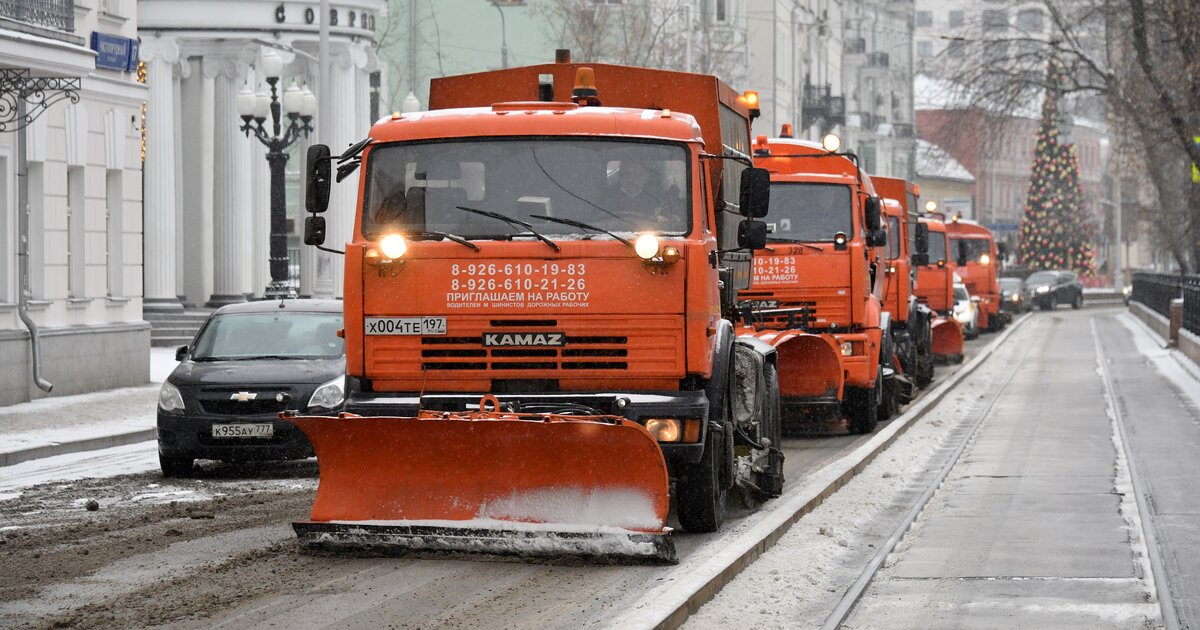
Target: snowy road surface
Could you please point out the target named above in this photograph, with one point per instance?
(216, 550)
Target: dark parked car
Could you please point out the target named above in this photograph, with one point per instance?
(1013, 297)
(248, 362)
(1048, 289)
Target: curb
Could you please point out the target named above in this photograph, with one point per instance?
(669, 605)
(77, 446)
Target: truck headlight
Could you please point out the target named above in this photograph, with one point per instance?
(663, 429)
(329, 395)
(169, 399)
(646, 246)
(393, 246)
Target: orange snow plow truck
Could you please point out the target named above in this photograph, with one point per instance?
(815, 294)
(906, 250)
(976, 258)
(935, 289)
(562, 241)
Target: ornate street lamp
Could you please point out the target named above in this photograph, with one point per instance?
(299, 105)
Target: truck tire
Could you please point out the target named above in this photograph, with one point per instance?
(702, 494)
(173, 467)
(862, 406)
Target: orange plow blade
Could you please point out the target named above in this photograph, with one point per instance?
(490, 482)
(947, 340)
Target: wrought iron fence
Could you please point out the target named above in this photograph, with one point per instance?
(1191, 303)
(56, 14)
(1156, 290)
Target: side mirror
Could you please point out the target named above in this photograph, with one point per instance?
(752, 234)
(756, 193)
(922, 239)
(181, 353)
(872, 207)
(920, 260)
(317, 180)
(314, 230)
(1001, 251)
(877, 238)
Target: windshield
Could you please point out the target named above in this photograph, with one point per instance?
(276, 335)
(1010, 284)
(809, 212)
(960, 294)
(619, 186)
(971, 249)
(937, 246)
(1042, 277)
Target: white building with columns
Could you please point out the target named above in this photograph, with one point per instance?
(207, 184)
(70, 199)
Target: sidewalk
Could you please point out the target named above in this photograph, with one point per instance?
(70, 424)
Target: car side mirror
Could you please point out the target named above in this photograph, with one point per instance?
(317, 180)
(921, 238)
(1001, 251)
(872, 207)
(181, 353)
(756, 193)
(752, 234)
(314, 230)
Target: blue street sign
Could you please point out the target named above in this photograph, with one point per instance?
(114, 52)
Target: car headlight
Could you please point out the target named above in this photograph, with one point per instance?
(169, 398)
(1042, 289)
(329, 395)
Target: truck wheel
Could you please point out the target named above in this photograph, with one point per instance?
(863, 407)
(175, 466)
(772, 429)
(702, 496)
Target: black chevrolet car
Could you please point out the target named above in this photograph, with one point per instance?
(1048, 289)
(248, 362)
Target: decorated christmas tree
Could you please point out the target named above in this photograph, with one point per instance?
(1054, 234)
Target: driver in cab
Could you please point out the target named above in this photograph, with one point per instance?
(639, 198)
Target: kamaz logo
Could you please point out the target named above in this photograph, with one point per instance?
(524, 339)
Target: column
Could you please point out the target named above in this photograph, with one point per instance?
(348, 111)
(230, 182)
(183, 70)
(197, 187)
(159, 293)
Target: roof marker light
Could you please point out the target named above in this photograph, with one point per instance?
(786, 131)
(585, 92)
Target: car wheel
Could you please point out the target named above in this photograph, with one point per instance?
(175, 466)
(1077, 303)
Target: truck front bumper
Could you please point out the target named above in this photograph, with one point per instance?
(637, 406)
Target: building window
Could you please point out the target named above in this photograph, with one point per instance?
(75, 233)
(1030, 20)
(995, 20)
(868, 157)
(722, 11)
(924, 49)
(111, 7)
(924, 18)
(956, 19)
(115, 209)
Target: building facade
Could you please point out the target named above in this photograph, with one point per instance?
(70, 199)
(207, 184)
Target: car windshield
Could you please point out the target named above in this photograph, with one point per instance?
(1010, 284)
(622, 186)
(239, 336)
(937, 246)
(960, 294)
(1042, 277)
(809, 212)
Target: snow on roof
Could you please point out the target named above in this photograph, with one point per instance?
(934, 162)
(931, 93)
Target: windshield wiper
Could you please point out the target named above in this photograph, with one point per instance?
(793, 242)
(581, 225)
(511, 221)
(444, 235)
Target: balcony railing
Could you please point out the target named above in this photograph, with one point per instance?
(877, 59)
(55, 14)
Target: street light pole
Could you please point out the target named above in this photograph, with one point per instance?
(503, 37)
(276, 137)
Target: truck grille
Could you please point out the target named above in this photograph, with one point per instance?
(825, 307)
(468, 353)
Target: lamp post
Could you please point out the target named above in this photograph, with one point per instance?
(503, 35)
(277, 135)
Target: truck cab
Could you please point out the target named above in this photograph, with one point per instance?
(976, 258)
